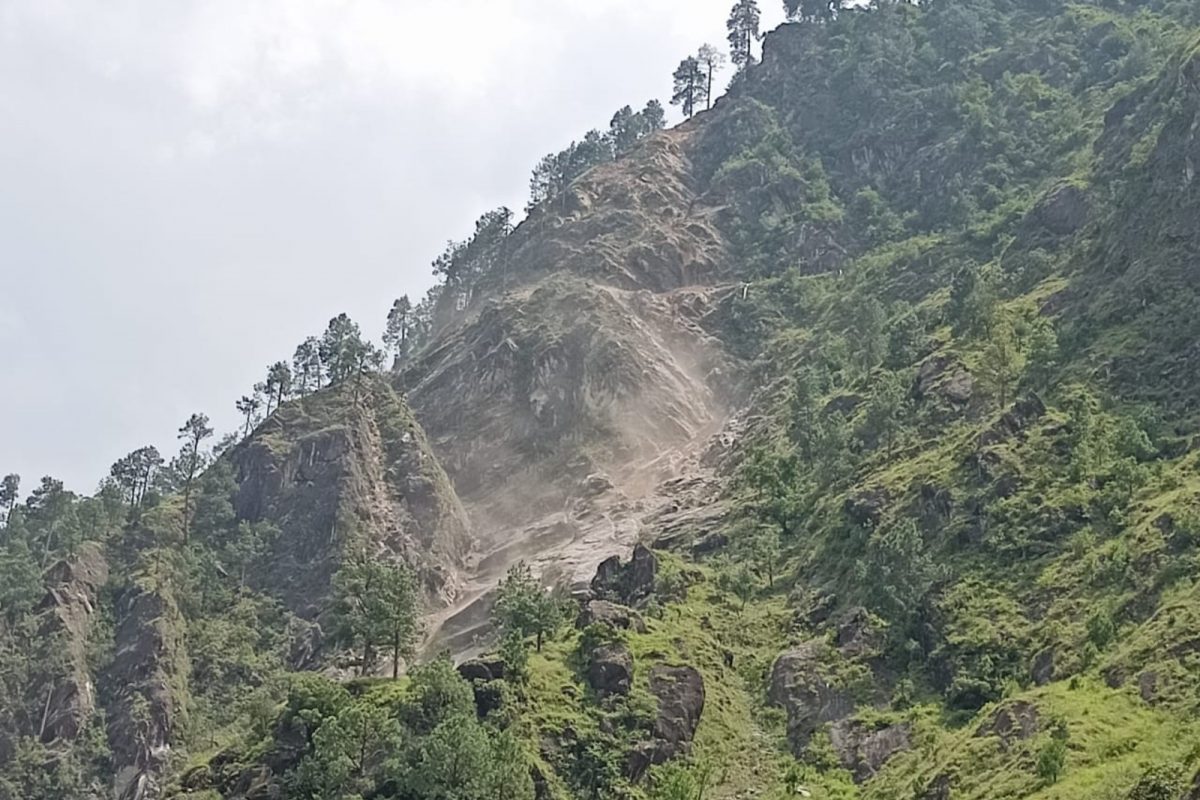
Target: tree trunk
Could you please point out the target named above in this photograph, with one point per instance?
(396, 654)
(187, 503)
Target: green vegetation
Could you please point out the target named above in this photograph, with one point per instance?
(957, 553)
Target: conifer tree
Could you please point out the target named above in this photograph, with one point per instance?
(248, 406)
(523, 608)
(743, 24)
(10, 489)
(399, 325)
(279, 383)
(306, 366)
(689, 86)
(711, 61)
(191, 461)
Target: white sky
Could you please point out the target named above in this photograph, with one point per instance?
(188, 189)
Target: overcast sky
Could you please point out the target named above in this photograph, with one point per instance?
(188, 189)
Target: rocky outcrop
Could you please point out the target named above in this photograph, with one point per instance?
(943, 377)
(858, 633)
(480, 669)
(1063, 211)
(613, 615)
(680, 695)
(610, 669)
(799, 686)
(344, 471)
(147, 676)
(866, 507)
(1015, 721)
(864, 750)
(630, 582)
(1042, 667)
(68, 612)
(483, 675)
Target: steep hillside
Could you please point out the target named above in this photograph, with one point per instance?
(580, 377)
(344, 472)
(837, 443)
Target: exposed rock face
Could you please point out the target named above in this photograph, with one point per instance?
(147, 673)
(858, 634)
(863, 750)
(680, 694)
(482, 675)
(570, 386)
(610, 614)
(339, 474)
(1061, 212)
(478, 669)
(70, 604)
(1014, 721)
(866, 507)
(798, 686)
(610, 670)
(944, 377)
(629, 582)
(1042, 668)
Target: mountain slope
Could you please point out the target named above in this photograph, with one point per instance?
(884, 362)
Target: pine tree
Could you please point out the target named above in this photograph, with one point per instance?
(340, 348)
(1002, 362)
(711, 61)
(10, 489)
(248, 405)
(134, 473)
(523, 608)
(743, 24)
(191, 460)
(689, 86)
(399, 324)
(376, 603)
(306, 365)
(279, 383)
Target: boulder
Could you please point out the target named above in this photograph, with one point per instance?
(610, 670)
(858, 634)
(610, 614)
(864, 750)
(959, 388)
(608, 574)
(798, 686)
(821, 609)
(928, 374)
(680, 694)
(478, 669)
(1042, 668)
(1148, 686)
(1061, 212)
(641, 572)
(627, 583)
(945, 377)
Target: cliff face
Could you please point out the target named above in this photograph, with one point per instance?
(348, 471)
(581, 378)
